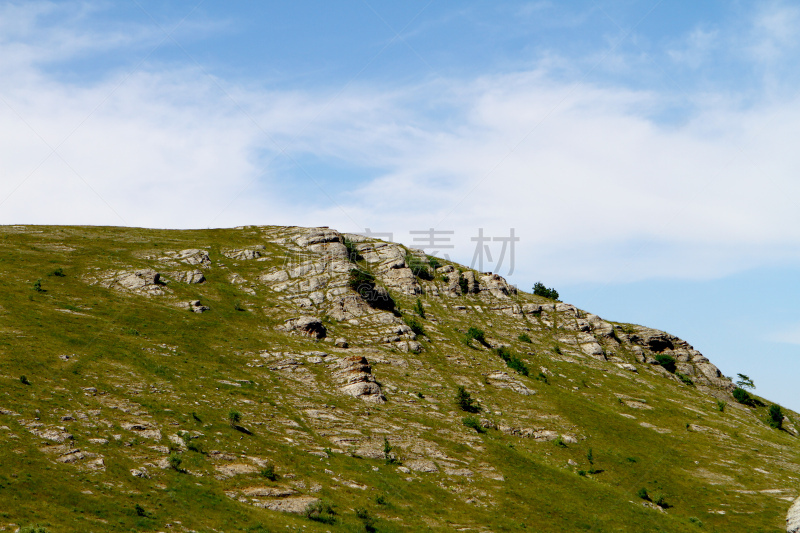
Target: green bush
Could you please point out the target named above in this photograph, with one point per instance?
(418, 267)
(477, 334)
(175, 462)
(139, 510)
(269, 473)
(419, 309)
(321, 511)
(380, 499)
(414, 324)
(559, 442)
(24, 380)
(463, 284)
(59, 273)
(32, 529)
(540, 290)
(465, 402)
(524, 337)
(474, 423)
(512, 361)
(387, 453)
(667, 361)
(775, 416)
(542, 377)
(434, 263)
(686, 379)
(642, 493)
(696, 521)
(352, 252)
(366, 518)
(234, 417)
(743, 397)
(37, 286)
(721, 405)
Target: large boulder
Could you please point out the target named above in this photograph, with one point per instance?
(355, 379)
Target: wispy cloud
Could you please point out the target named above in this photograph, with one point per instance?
(596, 188)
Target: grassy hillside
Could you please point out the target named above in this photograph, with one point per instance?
(123, 408)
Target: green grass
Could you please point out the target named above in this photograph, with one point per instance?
(150, 360)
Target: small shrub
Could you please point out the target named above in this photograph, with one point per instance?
(661, 501)
(380, 499)
(559, 442)
(512, 361)
(477, 334)
(175, 462)
(24, 380)
(474, 423)
(32, 529)
(352, 252)
(420, 395)
(37, 286)
(418, 267)
(194, 446)
(269, 473)
(234, 417)
(557, 349)
(59, 273)
(433, 262)
(366, 518)
(463, 284)
(667, 361)
(196, 418)
(631, 459)
(542, 377)
(540, 290)
(524, 337)
(415, 325)
(582, 473)
(419, 309)
(139, 510)
(696, 521)
(642, 493)
(321, 511)
(590, 458)
(721, 405)
(685, 379)
(775, 416)
(465, 402)
(387, 452)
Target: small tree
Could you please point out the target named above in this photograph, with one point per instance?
(387, 452)
(269, 472)
(175, 461)
(234, 417)
(590, 458)
(37, 286)
(744, 382)
(465, 402)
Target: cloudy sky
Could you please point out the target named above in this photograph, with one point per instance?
(643, 152)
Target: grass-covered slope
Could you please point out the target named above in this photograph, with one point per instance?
(139, 413)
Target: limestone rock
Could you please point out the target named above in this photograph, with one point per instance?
(246, 254)
(341, 342)
(194, 306)
(188, 276)
(144, 281)
(793, 518)
(192, 256)
(305, 325)
(355, 378)
(294, 505)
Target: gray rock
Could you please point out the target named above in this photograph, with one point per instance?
(793, 518)
(245, 254)
(306, 325)
(355, 378)
(188, 276)
(341, 342)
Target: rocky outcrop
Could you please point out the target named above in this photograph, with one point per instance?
(305, 325)
(191, 256)
(188, 276)
(254, 252)
(355, 378)
(145, 281)
(793, 518)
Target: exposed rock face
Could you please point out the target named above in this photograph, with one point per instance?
(253, 252)
(192, 256)
(188, 276)
(793, 518)
(356, 379)
(306, 325)
(195, 306)
(144, 281)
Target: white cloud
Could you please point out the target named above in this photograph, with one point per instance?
(787, 335)
(596, 189)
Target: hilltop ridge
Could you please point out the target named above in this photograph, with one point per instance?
(263, 374)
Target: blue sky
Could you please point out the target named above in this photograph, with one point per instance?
(643, 151)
